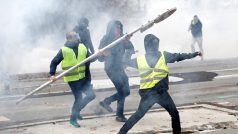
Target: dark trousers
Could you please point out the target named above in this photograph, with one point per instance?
(148, 99)
(87, 72)
(120, 81)
(78, 88)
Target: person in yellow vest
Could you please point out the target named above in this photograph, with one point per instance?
(154, 82)
(72, 53)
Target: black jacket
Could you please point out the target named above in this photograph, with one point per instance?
(59, 57)
(85, 37)
(124, 49)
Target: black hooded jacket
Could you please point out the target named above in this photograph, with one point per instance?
(117, 53)
(153, 55)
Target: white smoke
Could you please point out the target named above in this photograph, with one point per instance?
(219, 25)
(33, 31)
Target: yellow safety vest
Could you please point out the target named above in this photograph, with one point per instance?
(69, 60)
(149, 77)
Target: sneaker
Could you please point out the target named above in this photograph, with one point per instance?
(79, 117)
(121, 119)
(106, 106)
(74, 123)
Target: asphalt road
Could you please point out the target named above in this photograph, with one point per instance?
(213, 81)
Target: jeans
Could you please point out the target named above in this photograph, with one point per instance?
(120, 81)
(148, 99)
(78, 88)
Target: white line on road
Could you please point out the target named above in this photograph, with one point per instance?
(226, 76)
(230, 69)
(175, 79)
(3, 118)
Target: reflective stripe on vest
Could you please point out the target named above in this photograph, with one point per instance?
(149, 77)
(74, 73)
(70, 60)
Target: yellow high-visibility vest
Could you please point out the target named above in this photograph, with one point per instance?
(149, 77)
(69, 60)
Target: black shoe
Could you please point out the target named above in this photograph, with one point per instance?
(121, 119)
(106, 106)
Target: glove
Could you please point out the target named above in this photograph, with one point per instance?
(198, 53)
(104, 53)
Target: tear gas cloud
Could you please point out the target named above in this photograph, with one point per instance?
(33, 31)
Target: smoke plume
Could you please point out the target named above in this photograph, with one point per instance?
(33, 31)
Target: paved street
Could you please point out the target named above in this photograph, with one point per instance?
(191, 82)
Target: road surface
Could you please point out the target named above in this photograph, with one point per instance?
(191, 82)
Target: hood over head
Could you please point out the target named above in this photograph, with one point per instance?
(113, 27)
(83, 22)
(151, 43)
